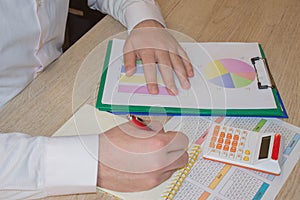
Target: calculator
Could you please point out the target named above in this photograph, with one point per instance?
(244, 148)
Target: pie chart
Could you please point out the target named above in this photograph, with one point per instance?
(229, 73)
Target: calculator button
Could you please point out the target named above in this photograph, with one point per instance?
(234, 143)
(247, 152)
(219, 146)
(246, 158)
(226, 148)
(220, 140)
(239, 156)
(276, 147)
(242, 144)
(229, 136)
(212, 145)
(225, 154)
(236, 137)
(233, 149)
(240, 151)
(231, 155)
(227, 142)
(222, 135)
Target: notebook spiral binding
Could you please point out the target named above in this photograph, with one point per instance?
(180, 176)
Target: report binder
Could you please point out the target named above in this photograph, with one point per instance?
(254, 78)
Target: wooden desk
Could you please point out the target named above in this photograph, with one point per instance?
(48, 101)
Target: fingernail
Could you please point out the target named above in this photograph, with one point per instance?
(153, 89)
(190, 73)
(130, 72)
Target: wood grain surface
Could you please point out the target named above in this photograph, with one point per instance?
(72, 79)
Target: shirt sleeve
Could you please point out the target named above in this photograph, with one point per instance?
(129, 12)
(36, 167)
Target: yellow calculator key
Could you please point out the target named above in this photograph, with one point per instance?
(246, 158)
(247, 152)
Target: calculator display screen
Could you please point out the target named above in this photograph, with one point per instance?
(264, 147)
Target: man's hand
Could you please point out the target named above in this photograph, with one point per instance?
(131, 159)
(150, 42)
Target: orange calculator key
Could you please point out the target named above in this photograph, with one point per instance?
(229, 136)
(226, 148)
(236, 137)
(233, 149)
(222, 134)
(219, 146)
(220, 140)
(227, 142)
(234, 143)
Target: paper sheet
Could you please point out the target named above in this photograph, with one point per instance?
(214, 180)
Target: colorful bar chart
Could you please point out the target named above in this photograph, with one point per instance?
(136, 84)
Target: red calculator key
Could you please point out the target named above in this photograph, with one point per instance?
(276, 146)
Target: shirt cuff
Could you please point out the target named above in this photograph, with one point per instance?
(71, 164)
(141, 11)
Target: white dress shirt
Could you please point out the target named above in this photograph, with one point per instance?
(31, 36)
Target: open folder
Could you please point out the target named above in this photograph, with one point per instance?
(230, 79)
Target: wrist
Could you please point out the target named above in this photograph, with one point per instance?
(150, 23)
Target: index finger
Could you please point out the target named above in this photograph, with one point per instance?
(130, 63)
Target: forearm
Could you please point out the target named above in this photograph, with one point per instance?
(129, 12)
(35, 167)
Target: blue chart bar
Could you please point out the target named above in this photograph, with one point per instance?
(139, 70)
(292, 144)
(260, 193)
